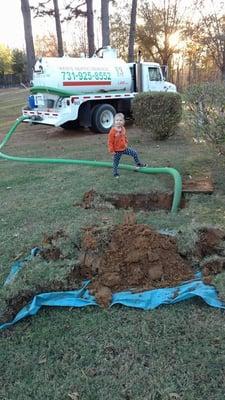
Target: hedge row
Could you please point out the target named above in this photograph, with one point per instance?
(158, 113)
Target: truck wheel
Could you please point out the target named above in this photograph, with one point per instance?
(102, 118)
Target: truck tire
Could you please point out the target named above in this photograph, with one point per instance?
(102, 118)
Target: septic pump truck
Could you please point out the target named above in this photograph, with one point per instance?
(88, 92)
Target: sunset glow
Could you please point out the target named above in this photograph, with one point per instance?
(176, 42)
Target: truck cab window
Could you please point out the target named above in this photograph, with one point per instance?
(154, 74)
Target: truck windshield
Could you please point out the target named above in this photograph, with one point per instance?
(154, 74)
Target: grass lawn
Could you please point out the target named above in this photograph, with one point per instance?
(171, 353)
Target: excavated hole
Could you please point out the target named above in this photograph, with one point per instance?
(137, 201)
(148, 201)
(143, 201)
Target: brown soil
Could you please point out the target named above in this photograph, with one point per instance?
(146, 201)
(211, 241)
(130, 256)
(137, 201)
(127, 256)
(213, 267)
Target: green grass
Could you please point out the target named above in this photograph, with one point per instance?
(174, 352)
(116, 354)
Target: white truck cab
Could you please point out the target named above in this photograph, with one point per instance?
(153, 79)
(149, 78)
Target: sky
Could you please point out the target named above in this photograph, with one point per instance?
(11, 23)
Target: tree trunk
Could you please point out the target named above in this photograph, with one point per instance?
(25, 8)
(222, 67)
(105, 22)
(58, 28)
(132, 31)
(166, 29)
(90, 28)
(223, 73)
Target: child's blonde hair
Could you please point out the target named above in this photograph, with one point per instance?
(121, 115)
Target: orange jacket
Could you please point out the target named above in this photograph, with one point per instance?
(117, 140)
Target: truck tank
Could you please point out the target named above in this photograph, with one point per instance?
(83, 75)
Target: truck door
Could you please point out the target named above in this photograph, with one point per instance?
(153, 79)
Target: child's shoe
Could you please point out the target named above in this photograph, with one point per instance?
(140, 166)
(116, 176)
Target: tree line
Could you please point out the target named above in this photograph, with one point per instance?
(192, 49)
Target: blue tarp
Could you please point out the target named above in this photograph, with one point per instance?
(18, 265)
(147, 300)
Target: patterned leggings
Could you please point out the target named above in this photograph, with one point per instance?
(128, 152)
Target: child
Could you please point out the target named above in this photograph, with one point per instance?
(118, 144)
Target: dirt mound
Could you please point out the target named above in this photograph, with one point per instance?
(126, 256)
(130, 256)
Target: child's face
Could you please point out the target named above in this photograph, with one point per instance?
(119, 121)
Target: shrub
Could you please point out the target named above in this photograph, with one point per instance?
(158, 112)
(206, 110)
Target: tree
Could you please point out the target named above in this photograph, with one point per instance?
(25, 8)
(211, 30)
(80, 44)
(41, 11)
(198, 64)
(5, 60)
(119, 29)
(19, 64)
(77, 11)
(58, 28)
(105, 22)
(159, 24)
(132, 31)
(46, 46)
(90, 28)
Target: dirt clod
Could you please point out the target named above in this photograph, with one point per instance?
(103, 296)
(210, 241)
(51, 254)
(213, 266)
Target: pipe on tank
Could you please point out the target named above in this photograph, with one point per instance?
(160, 170)
(139, 73)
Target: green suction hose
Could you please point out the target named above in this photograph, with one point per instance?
(162, 170)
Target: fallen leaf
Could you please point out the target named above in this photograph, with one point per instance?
(18, 256)
(73, 396)
(174, 396)
(42, 360)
